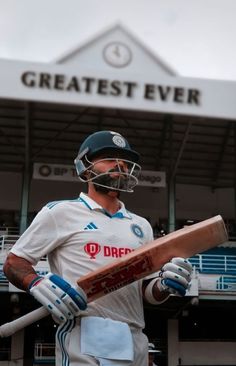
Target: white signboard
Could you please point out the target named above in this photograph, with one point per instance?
(80, 86)
(68, 173)
(150, 178)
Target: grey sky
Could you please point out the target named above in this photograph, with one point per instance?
(195, 37)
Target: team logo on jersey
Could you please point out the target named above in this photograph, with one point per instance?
(137, 230)
(92, 249)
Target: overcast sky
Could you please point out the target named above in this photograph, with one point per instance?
(197, 38)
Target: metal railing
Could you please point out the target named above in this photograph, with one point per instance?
(6, 243)
(9, 230)
(44, 353)
(219, 284)
(226, 283)
(222, 267)
(214, 263)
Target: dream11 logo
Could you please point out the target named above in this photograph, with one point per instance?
(92, 249)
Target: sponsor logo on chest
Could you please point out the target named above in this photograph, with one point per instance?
(93, 249)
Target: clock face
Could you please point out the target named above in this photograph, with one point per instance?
(117, 54)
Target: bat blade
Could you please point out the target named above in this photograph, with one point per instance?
(151, 257)
(138, 264)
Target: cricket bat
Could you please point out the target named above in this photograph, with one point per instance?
(138, 264)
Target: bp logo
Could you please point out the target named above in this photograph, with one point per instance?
(45, 170)
(137, 230)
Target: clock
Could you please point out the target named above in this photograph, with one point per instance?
(117, 54)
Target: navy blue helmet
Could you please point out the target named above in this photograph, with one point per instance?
(111, 145)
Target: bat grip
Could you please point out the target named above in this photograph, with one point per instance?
(10, 328)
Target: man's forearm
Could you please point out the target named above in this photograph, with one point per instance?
(158, 296)
(19, 271)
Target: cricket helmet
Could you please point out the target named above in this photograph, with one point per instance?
(106, 144)
(103, 142)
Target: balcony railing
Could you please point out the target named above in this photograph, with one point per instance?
(9, 230)
(215, 272)
(44, 353)
(6, 243)
(214, 263)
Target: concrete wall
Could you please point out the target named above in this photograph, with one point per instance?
(198, 353)
(207, 353)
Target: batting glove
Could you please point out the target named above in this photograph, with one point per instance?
(63, 301)
(175, 276)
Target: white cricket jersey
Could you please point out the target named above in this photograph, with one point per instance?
(79, 236)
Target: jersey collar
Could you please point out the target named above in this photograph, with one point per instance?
(92, 205)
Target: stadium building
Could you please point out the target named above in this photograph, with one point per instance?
(184, 130)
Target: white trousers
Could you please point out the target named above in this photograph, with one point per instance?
(68, 347)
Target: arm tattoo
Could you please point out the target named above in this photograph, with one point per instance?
(19, 271)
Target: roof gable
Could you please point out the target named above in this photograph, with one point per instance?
(116, 49)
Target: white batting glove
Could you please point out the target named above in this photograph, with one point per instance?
(175, 276)
(63, 301)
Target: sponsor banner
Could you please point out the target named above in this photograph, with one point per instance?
(149, 178)
(62, 172)
(67, 173)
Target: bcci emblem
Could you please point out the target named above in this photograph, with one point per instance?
(137, 230)
(118, 141)
(92, 249)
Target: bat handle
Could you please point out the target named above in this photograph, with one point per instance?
(10, 328)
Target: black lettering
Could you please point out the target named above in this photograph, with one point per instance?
(115, 88)
(44, 80)
(73, 84)
(102, 86)
(149, 178)
(178, 95)
(28, 78)
(164, 91)
(149, 91)
(59, 81)
(88, 84)
(60, 171)
(73, 172)
(130, 88)
(194, 96)
(57, 171)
